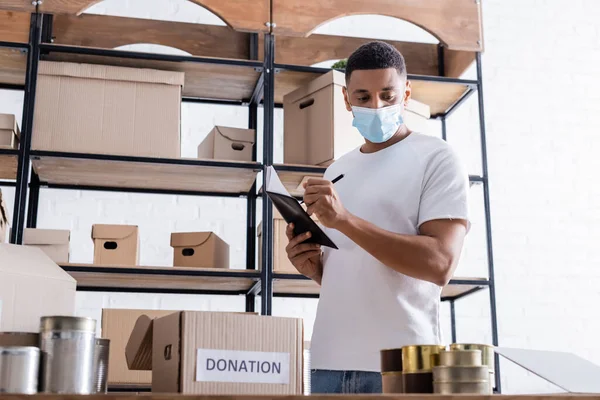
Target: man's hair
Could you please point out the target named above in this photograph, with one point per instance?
(375, 55)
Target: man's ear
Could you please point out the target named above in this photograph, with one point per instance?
(346, 99)
(407, 92)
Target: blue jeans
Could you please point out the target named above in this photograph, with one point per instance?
(324, 381)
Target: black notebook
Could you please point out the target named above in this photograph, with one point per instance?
(292, 212)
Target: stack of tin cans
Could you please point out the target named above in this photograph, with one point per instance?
(65, 358)
(464, 368)
(461, 371)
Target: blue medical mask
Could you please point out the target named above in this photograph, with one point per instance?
(378, 125)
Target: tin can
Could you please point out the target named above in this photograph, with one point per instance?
(461, 358)
(19, 369)
(461, 387)
(461, 374)
(421, 358)
(487, 358)
(101, 365)
(68, 347)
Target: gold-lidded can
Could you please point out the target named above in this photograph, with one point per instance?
(451, 358)
(461, 387)
(463, 373)
(420, 358)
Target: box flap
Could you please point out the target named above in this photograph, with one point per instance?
(236, 134)
(138, 351)
(46, 236)
(113, 231)
(4, 215)
(30, 261)
(9, 122)
(109, 72)
(190, 239)
(567, 371)
(332, 77)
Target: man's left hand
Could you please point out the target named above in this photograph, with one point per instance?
(323, 201)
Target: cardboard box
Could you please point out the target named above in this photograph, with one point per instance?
(258, 355)
(9, 132)
(4, 219)
(32, 286)
(55, 243)
(199, 250)
(117, 325)
(85, 108)
(317, 127)
(19, 339)
(224, 143)
(116, 244)
(281, 262)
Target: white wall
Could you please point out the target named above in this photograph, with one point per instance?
(542, 92)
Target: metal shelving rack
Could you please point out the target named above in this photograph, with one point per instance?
(34, 172)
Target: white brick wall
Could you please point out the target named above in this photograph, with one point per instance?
(542, 91)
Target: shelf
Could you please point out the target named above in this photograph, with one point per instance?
(8, 164)
(205, 78)
(141, 174)
(439, 93)
(296, 285)
(162, 279)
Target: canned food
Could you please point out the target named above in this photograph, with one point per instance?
(19, 369)
(101, 365)
(417, 382)
(461, 374)
(461, 387)
(391, 360)
(421, 358)
(460, 357)
(68, 347)
(392, 382)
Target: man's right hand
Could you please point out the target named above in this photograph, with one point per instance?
(306, 257)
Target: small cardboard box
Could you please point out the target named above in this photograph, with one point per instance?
(4, 219)
(199, 250)
(224, 143)
(317, 127)
(55, 243)
(32, 286)
(9, 132)
(116, 244)
(102, 109)
(216, 353)
(281, 262)
(117, 325)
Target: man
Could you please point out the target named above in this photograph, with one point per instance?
(399, 217)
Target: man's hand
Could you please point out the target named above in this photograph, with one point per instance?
(323, 201)
(306, 257)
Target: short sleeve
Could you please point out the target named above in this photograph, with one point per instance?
(445, 189)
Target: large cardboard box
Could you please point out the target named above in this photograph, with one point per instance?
(32, 286)
(117, 325)
(199, 250)
(4, 219)
(53, 242)
(104, 109)
(281, 262)
(214, 353)
(224, 143)
(9, 132)
(116, 244)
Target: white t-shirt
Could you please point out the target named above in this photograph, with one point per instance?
(365, 306)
